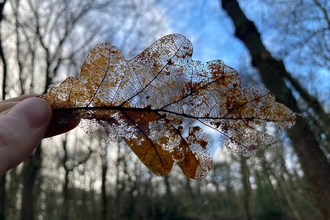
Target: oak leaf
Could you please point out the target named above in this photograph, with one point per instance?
(160, 101)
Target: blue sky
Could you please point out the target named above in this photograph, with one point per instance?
(211, 31)
(208, 27)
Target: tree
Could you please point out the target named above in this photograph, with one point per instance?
(3, 59)
(47, 42)
(273, 73)
(247, 187)
(104, 198)
(234, 185)
(4, 79)
(41, 37)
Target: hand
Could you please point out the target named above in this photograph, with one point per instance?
(24, 122)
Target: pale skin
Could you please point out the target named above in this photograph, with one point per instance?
(24, 122)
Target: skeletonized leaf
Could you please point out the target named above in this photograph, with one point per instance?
(158, 101)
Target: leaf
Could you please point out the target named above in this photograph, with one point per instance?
(159, 101)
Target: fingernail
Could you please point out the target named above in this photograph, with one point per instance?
(34, 111)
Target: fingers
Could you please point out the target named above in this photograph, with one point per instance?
(22, 128)
(57, 125)
(24, 122)
(9, 103)
(5, 105)
(20, 98)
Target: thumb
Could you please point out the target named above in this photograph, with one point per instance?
(21, 130)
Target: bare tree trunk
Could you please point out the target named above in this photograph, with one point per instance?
(119, 188)
(66, 192)
(4, 70)
(169, 193)
(4, 63)
(191, 194)
(313, 161)
(3, 197)
(4, 80)
(104, 200)
(283, 187)
(30, 171)
(12, 194)
(286, 185)
(230, 193)
(68, 198)
(246, 187)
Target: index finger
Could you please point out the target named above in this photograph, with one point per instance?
(56, 127)
(20, 98)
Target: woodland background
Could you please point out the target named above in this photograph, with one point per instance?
(284, 45)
